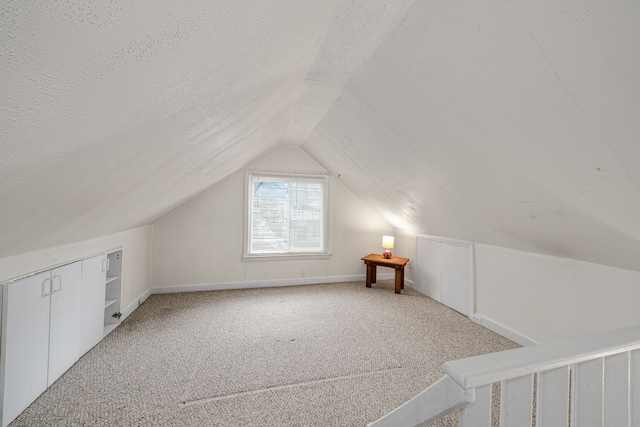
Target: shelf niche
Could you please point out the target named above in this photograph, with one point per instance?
(113, 292)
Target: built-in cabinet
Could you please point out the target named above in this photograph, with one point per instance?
(444, 271)
(112, 292)
(94, 278)
(49, 320)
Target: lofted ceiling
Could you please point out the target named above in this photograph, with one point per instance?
(511, 123)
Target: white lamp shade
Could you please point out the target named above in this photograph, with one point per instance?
(387, 242)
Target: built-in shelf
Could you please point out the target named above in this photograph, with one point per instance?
(112, 298)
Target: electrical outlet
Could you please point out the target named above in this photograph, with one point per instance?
(302, 273)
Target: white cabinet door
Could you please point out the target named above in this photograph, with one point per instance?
(94, 276)
(457, 283)
(64, 327)
(444, 271)
(26, 343)
(427, 264)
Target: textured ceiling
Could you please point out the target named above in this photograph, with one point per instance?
(113, 113)
(512, 123)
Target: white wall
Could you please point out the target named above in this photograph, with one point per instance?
(405, 246)
(545, 298)
(202, 241)
(136, 245)
(508, 123)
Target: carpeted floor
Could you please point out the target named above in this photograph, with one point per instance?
(319, 355)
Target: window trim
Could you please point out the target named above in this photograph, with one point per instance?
(326, 254)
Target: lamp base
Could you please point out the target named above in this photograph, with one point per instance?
(387, 254)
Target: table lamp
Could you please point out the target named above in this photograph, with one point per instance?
(387, 244)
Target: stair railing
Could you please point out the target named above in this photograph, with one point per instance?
(586, 381)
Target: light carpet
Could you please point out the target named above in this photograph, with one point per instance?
(335, 354)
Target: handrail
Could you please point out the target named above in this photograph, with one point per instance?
(443, 397)
(494, 367)
(467, 385)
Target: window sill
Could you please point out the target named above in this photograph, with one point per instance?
(284, 257)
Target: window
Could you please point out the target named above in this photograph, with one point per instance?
(286, 215)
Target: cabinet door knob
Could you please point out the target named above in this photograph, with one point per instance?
(59, 282)
(46, 289)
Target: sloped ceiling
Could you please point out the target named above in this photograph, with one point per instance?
(114, 113)
(510, 123)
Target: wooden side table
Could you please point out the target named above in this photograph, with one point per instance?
(397, 263)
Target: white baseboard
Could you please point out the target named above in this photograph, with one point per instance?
(135, 304)
(490, 324)
(247, 285)
(500, 329)
(264, 283)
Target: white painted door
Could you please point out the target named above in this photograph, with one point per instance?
(64, 328)
(443, 270)
(26, 343)
(94, 276)
(427, 265)
(457, 283)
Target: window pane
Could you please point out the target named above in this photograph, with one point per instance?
(286, 215)
(270, 217)
(305, 232)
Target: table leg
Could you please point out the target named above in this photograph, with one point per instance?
(368, 274)
(374, 273)
(399, 280)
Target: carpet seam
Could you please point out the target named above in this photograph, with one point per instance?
(286, 386)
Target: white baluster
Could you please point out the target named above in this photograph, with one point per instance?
(515, 401)
(553, 397)
(478, 413)
(616, 390)
(634, 388)
(587, 393)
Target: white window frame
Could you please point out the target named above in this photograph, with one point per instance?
(248, 198)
